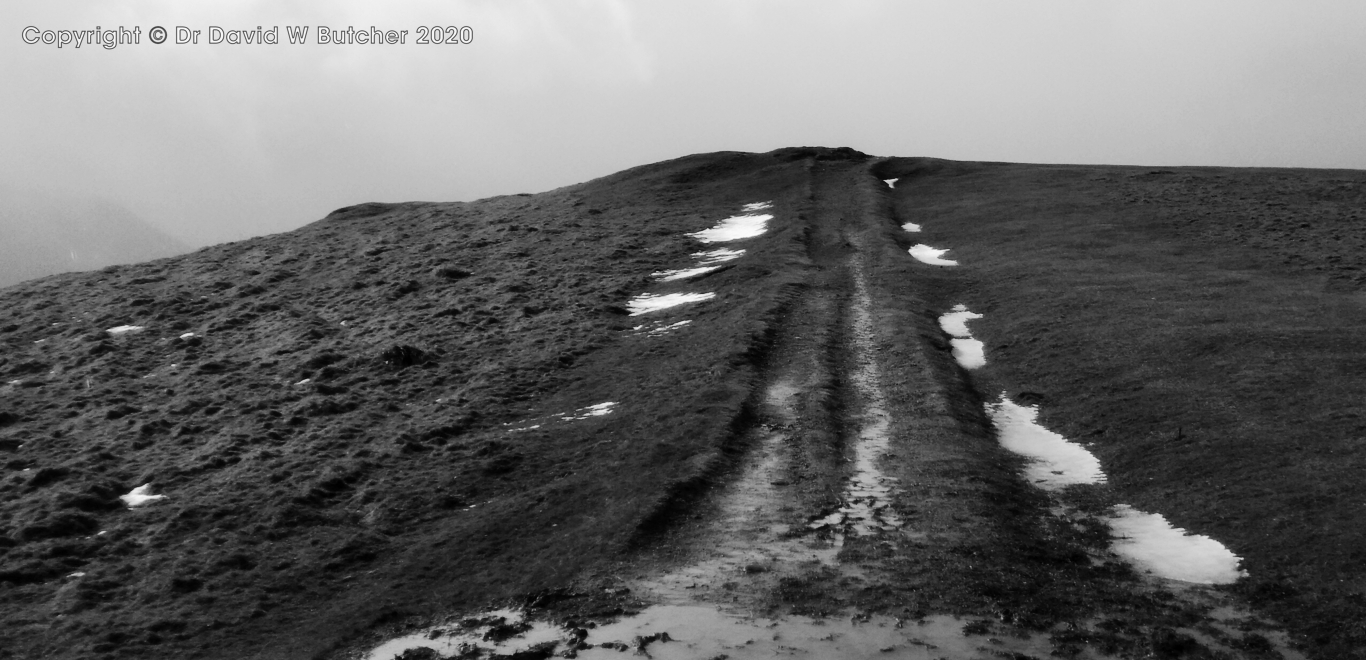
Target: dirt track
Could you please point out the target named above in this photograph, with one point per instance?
(803, 458)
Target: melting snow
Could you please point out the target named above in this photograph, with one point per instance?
(125, 329)
(717, 256)
(956, 321)
(969, 352)
(931, 255)
(682, 274)
(595, 410)
(649, 302)
(756, 206)
(891, 183)
(663, 329)
(734, 228)
(911, 227)
(140, 496)
(1057, 462)
(1149, 541)
(501, 632)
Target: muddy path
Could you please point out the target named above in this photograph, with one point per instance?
(869, 509)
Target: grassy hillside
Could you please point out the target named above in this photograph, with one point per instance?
(334, 441)
(1202, 330)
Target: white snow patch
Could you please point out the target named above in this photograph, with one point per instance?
(672, 326)
(1150, 542)
(717, 256)
(187, 335)
(956, 321)
(931, 255)
(304, 381)
(756, 206)
(140, 496)
(682, 274)
(1057, 462)
(650, 302)
(734, 228)
(891, 183)
(125, 329)
(595, 410)
(911, 227)
(969, 352)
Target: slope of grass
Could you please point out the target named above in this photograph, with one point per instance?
(1202, 330)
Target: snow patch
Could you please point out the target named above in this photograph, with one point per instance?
(1150, 542)
(651, 302)
(969, 352)
(125, 329)
(932, 256)
(756, 206)
(682, 274)
(911, 227)
(735, 228)
(595, 410)
(140, 496)
(717, 256)
(187, 335)
(956, 321)
(891, 183)
(1057, 462)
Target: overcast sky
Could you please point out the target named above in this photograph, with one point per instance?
(222, 142)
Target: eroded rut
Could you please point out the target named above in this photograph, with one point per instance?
(854, 527)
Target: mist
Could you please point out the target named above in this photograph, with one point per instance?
(212, 143)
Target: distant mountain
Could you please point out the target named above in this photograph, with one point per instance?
(43, 234)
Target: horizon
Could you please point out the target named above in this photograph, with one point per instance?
(221, 142)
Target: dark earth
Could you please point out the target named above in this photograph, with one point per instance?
(336, 447)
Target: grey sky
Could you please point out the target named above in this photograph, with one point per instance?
(221, 142)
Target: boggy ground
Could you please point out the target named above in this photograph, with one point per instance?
(422, 471)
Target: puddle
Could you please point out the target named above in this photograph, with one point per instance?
(750, 531)
(1057, 463)
(682, 274)
(735, 228)
(932, 256)
(911, 227)
(719, 255)
(501, 631)
(891, 183)
(650, 302)
(140, 496)
(1150, 542)
(697, 632)
(868, 496)
(969, 352)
